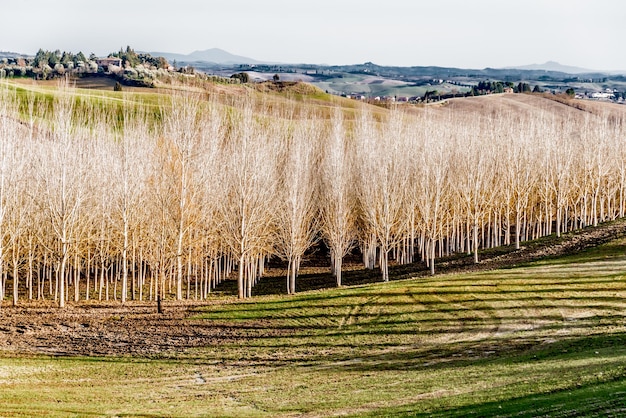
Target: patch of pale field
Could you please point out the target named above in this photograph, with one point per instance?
(12, 374)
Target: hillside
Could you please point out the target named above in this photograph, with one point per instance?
(532, 103)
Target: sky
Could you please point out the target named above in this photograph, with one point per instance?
(452, 33)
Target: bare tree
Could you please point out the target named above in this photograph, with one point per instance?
(296, 220)
(62, 172)
(473, 158)
(433, 191)
(383, 177)
(13, 188)
(209, 242)
(203, 189)
(249, 182)
(336, 195)
(129, 176)
(183, 126)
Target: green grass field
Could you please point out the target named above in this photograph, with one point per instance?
(547, 339)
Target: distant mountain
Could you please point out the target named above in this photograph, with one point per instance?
(446, 73)
(213, 55)
(8, 54)
(555, 66)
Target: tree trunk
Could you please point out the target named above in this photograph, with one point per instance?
(337, 267)
(62, 275)
(432, 257)
(289, 267)
(15, 282)
(76, 278)
(518, 231)
(384, 263)
(31, 273)
(125, 263)
(179, 267)
(293, 275)
(240, 281)
(475, 242)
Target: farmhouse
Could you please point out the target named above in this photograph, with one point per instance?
(602, 95)
(105, 63)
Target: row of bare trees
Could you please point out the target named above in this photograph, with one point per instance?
(96, 204)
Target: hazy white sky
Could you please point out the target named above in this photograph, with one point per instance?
(460, 33)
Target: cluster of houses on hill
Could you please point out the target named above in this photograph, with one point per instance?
(48, 65)
(609, 95)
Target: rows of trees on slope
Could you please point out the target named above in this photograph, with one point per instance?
(99, 205)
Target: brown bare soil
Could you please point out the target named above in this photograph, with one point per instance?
(103, 329)
(108, 329)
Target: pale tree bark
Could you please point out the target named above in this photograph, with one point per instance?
(596, 138)
(6, 151)
(209, 242)
(520, 152)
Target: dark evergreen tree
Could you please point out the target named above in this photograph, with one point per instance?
(80, 57)
(242, 77)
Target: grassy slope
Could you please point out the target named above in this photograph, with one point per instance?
(534, 340)
(301, 100)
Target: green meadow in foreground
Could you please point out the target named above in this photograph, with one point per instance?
(546, 339)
